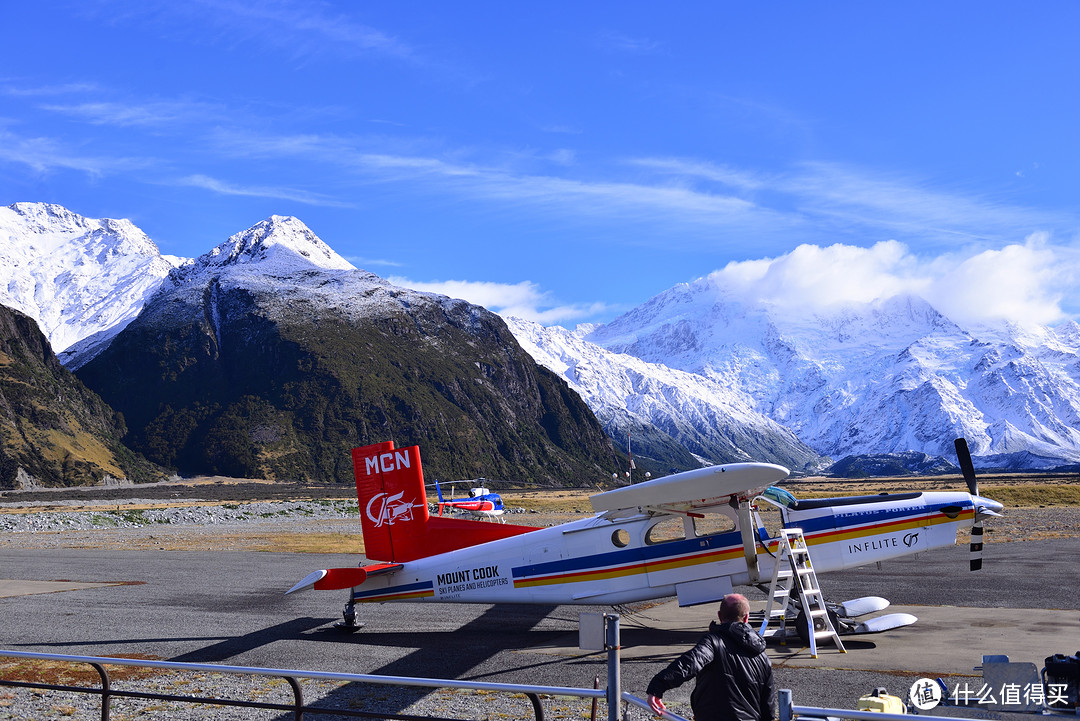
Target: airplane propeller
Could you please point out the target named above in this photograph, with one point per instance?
(964, 456)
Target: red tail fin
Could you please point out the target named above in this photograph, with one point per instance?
(394, 511)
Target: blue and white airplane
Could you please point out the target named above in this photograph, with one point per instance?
(693, 535)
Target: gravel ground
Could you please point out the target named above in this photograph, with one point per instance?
(195, 524)
(51, 521)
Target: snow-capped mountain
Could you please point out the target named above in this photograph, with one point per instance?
(271, 253)
(270, 356)
(279, 245)
(698, 363)
(890, 376)
(77, 277)
(293, 271)
(628, 394)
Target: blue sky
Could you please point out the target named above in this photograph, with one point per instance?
(567, 161)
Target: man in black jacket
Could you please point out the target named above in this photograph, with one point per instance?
(734, 675)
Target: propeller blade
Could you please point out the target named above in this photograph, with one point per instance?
(976, 547)
(963, 455)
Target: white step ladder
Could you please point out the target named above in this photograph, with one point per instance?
(795, 586)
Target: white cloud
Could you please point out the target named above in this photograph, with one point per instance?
(1021, 283)
(703, 170)
(613, 40)
(825, 276)
(44, 154)
(223, 188)
(50, 90)
(362, 262)
(723, 206)
(898, 204)
(521, 300)
(291, 26)
(154, 114)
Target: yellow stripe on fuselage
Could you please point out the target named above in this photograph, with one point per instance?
(876, 529)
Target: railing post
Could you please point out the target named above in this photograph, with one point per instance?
(614, 678)
(538, 709)
(298, 697)
(783, 699)
(106, 697)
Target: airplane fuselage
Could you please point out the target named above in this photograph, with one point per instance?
(606, 561)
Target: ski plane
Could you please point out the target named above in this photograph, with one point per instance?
(693, 535)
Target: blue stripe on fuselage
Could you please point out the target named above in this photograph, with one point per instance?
(842, 517)
(668, 549)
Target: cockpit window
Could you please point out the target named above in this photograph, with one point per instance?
(780, 497)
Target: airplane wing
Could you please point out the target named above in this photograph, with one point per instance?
(696, 489)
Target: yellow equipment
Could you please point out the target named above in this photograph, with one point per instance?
(880, 700)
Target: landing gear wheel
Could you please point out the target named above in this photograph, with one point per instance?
(819, 624)
(349, 625)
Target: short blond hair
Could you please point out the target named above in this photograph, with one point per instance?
(734, 607)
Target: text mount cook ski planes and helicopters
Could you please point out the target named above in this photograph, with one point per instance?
(694, 535)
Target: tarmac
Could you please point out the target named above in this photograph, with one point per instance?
(1013, 632)
(229, 608)
(927, 648)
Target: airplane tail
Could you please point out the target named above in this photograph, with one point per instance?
(394, 512)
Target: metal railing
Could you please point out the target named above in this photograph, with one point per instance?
(298, 708)
(613, 695)
(641, 703)
(787, 711)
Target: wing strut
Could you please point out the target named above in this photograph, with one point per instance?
(749, 541)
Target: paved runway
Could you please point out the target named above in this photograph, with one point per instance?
(229, 607)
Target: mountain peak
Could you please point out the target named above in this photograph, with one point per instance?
(283, 242)
(75, 276)
(48, 215)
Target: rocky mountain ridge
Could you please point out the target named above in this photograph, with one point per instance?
(53, 430)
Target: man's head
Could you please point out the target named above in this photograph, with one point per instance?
(734, 607)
